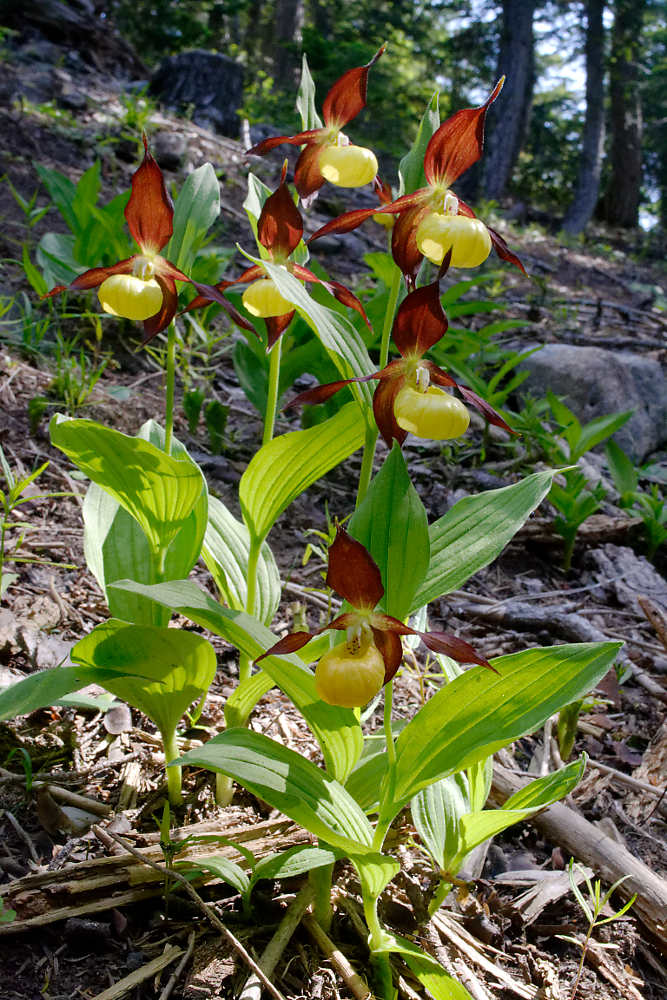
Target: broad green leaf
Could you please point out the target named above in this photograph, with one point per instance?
(285, 467)
(477, 827)
(336, 729)
(55, 256)
(475, 531)
(597, 430)
(219, 866)
(61, 191)
(158, 490)
(383, 267)
(436, 812)
(623, 471)
(391, 523)
(116, 548)
(36, 280)
(294, 861)
(411, 167)
(225, 552)
(480, 712)
(339, 338)
(257, 194)
(290, 783)
(196, 209)
(375, 873)
(175, 667)
(244, 697)
(47, 687)
(305, 99)
(430, 973)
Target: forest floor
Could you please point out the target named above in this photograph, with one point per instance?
(90, 915)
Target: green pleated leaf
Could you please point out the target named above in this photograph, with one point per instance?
(342, 342)
(305, 99)
(158, 490)
(116, 547)
(219, 866)
(411, 167)
(475, 531)
(480, 712)
(436, 813)
(336, 729)
(48, 687)
(391, 523)
(290, 783)
(196, 209)
(375, 873)
(294, 861)
(225, 552)
(175, 667)
(475, 828)
(285, 467)
(430, 973)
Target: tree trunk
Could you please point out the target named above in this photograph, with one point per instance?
(288, 25)
(621, 201)
(508, 117)
(585, 198)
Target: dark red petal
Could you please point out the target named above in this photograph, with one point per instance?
(168, 270)
(288, 644)
(353, 573)
(483, 407)
(458, 143)
(451, 645)
(161, 320)
(404, 247)
(348, 95)
(385, 623)
(503, 250)
(301, 139)
(342, 622)
(307, 174)
(320, 393)
(383, 191)
(344, 223)
(276, 326)
(420, 321)
(92, 278)
(212, 293)
(438, 376)
(466, 210)
(150, 210)
(391, 649)
(280, 227)
(336, 289)
(383, 405)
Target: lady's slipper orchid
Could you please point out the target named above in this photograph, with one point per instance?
(353, 672)
(279, 230)
(405, 401)
(328, 154)
(432, 220)
(143, 287)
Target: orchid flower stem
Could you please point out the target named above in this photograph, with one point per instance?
(388, 735)
(171, 379)
(320, 881)
(245, 663)
(272, 394)
(384, 982)
(174, 774)
(372, 434)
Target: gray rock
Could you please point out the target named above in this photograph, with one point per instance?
(593, 381)
(208, 84)
(169, 149)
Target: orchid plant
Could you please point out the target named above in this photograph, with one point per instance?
(149, 517)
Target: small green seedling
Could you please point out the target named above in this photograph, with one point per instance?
(649, 506)
(592, 908)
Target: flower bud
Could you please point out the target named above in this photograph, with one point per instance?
(348, 166)
(129, 296)
(468, 238)
(262, 298)
(350, 674)
(433, 414)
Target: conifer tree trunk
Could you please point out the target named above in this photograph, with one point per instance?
(508, 117)
(585, 198)
(621, 201)
(288, 25)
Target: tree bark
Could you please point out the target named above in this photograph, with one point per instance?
(621, 201)
(585, 198)
(288, 25)
(508, 117)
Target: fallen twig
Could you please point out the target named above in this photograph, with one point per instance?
(178, 971)
(208, 912)
(352, 979)
(276, 946)
(128, 983)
